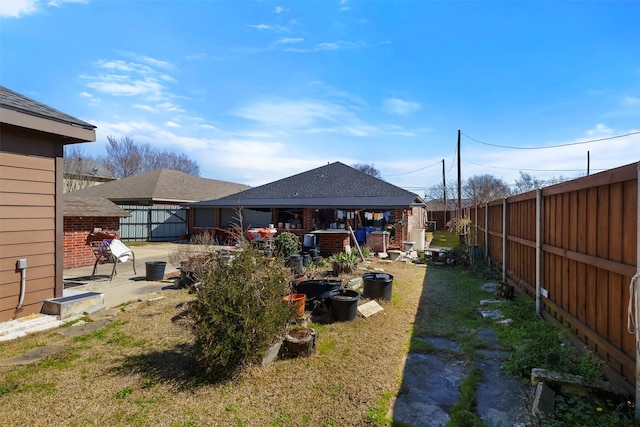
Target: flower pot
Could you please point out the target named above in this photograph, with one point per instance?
(298, 300)
(344, 304)
(300, 342)
(316, 290)
(377, 286)
(155, 270)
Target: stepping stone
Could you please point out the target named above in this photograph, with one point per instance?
(492, 314)
(84, 328)
(34, 355)
(489, 287)
(370, 308)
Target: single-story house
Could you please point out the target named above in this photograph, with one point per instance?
(153, 199)
(87, 219)
(31, 203)
(323, 202)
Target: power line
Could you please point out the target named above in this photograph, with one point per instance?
(531, 170)
(417, 170)
(552, 146)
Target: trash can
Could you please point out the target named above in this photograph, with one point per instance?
(155, 270)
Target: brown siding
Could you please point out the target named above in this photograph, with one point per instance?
(27, 225)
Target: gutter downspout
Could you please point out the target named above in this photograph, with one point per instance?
(637, 302)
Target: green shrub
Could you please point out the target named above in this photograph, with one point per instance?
(343, 262)
(239, 313)
(287, 244)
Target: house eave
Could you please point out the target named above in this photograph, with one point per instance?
(71, 133)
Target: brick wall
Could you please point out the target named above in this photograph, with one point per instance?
(77, 253)
(330, 243)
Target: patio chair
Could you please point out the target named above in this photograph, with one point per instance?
(111, 252)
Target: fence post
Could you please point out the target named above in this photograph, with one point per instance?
(538, 249)
(486, 231)
(504, 240)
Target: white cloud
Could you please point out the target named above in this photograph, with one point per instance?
(600, 129)
(145, 107)
(206, 126)
(400, 107)
(328, 46)
(265, 27)
(631, 100)
(173, 124)
(196, 56)
(18, 8)
(289, 40)
(290, 114)
(58, 3)
(280, 9)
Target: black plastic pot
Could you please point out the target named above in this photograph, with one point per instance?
(377, 286)
(294, 262)
(155, 270)
(316, 290)
(344, 304)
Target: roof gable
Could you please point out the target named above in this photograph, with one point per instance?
(334, 184)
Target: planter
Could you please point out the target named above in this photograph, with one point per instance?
(394, 254)
(155, 270)
(377, 286)
(408, 246)
(344, 304)
(300, 342)
(297, 300)
(187, 278)
(294, 262)
(316, 290)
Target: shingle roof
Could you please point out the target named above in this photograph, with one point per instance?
(91, 206)
(164, 185)
(14, 101)
(88, 168)
(333, 185)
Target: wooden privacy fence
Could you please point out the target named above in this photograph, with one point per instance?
(574, 248)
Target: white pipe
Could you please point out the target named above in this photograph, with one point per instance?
(23, 286)
(538, 249)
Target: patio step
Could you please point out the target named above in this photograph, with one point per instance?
(73, 304)
(33, 323)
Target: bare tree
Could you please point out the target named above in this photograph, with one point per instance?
(80, 170)
(485, 188)
(368, 169)
(126, 158)
(526, 182)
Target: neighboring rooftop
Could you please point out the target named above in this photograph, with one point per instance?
(91, 207)
(164, 185)
(332, 185)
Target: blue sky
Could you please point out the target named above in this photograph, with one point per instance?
(257, 91)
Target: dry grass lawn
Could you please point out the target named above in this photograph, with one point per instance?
(138, 371)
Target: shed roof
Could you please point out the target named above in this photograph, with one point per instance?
(20, 103)
(332, 185)
(91, 207)
(163, 185)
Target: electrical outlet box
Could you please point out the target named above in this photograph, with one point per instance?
(22, 263)
(544, 292)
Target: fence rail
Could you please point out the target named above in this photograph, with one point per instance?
(574, 248)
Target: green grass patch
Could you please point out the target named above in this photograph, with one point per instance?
(463, 412)
(444, 238)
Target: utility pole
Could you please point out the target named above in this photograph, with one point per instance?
(444, 190)
(459, 180)
(588, 161)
